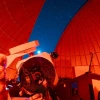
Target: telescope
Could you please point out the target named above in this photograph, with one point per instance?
(37, 66)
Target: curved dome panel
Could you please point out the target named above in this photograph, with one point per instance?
(80, 40)
(17, 19)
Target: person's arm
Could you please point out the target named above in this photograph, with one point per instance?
(4, 95)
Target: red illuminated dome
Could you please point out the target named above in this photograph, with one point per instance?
(17, 19)
(79, 41)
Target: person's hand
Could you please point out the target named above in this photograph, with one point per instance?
(37, 96)
(20, 93)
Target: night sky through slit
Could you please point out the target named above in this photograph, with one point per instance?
(52, 20)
